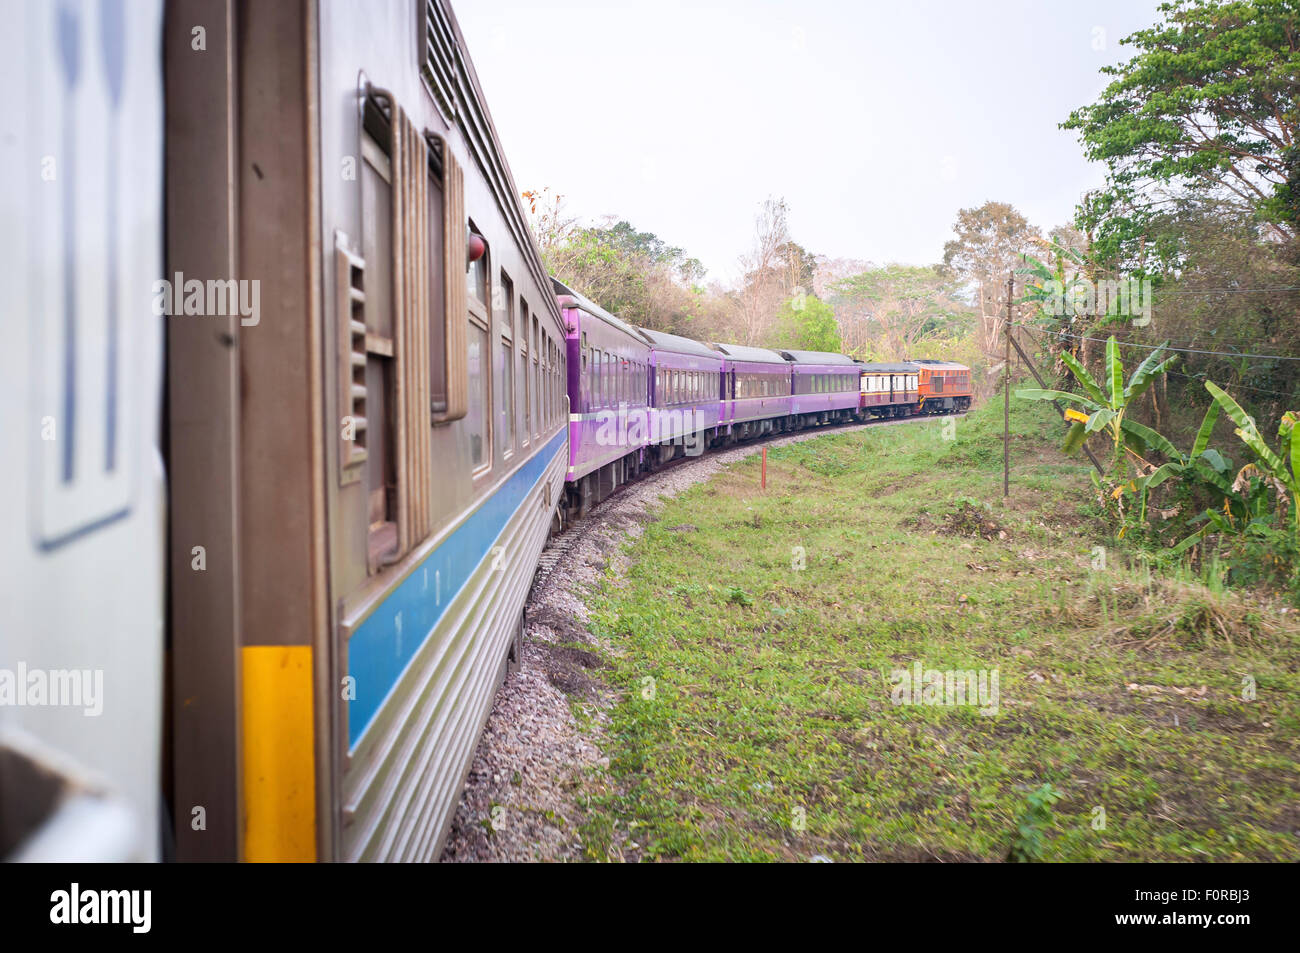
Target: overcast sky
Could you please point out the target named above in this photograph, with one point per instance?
(876, 121)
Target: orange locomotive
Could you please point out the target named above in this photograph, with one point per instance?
(944, 386)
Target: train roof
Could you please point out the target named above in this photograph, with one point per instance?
(596, 311)
(818, 357)
(755, 355)
(662, 341)
(895, 367)
(939, 365)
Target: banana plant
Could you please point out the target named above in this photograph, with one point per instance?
(1107, 406)
(1202, 461)
(1048, 287)
(1282, 466)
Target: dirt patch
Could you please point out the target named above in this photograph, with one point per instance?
(970, 521)
(567, 669)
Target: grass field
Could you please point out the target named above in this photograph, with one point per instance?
(756, 638)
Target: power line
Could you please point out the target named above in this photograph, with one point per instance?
(1258, 390)
(1180, 341)
(1221, 291)
(1162, 347)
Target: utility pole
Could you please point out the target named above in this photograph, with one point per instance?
(1006, 396)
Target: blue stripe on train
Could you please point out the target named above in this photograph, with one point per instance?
(382, 647)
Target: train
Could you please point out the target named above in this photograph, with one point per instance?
(639, 398)
(299, 407)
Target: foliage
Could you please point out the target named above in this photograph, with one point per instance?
(890, 311)
(989, 244)
(806, 324)
(1261, 505)
(1208, 107)
(1108, 403)
(1030, 841)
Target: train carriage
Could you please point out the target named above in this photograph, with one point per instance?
(391, 437)
(685, 384)
(608, 386)
(889, 389)
(826, 386)
(755, 396)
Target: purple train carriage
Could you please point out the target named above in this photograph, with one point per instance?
(826, 387)
(609, 365)
(755, 396)
(685, 387)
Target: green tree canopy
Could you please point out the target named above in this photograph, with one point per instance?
(1208, 107)
(804, 324)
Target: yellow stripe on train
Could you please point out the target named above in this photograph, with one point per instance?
(279, 754)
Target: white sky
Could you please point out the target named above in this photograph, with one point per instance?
(875, 120)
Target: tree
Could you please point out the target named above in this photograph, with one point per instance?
(1208, 107)
(633, 274)
(991, 243)
(804, 324)
(762, 288)
(889, 311)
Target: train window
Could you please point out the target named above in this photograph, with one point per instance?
(479, 361)
(522, 347)
(476, 276)
(552, 364)
(439, 283)
(380, 369)
(479, 377)
(533, 378)
(507, 396)
(507, 367)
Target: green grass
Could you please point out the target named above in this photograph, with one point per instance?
(755, 718)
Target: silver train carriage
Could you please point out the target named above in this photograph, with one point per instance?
(363, 424)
